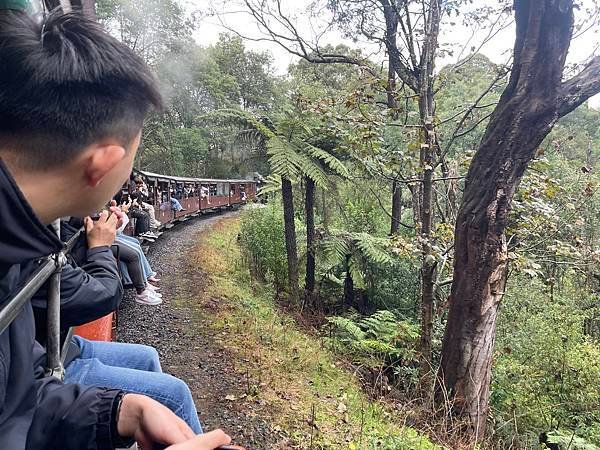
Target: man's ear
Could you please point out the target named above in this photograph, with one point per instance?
(100, 160)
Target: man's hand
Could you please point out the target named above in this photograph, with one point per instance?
(149, 422)
(102, 232)
(208, 441)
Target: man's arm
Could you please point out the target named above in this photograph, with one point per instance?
(75, 417)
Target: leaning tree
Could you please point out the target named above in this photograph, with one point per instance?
(534, 99)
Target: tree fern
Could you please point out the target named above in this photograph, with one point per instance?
(372, 248)
(356, 272)
(350, 331)
(328, 159)
(273, 184)
(290, 153)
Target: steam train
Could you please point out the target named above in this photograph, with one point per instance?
(197, 196)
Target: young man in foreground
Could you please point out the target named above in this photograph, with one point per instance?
(72, 104)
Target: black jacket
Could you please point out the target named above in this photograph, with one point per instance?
(38, 412)
(90, 288)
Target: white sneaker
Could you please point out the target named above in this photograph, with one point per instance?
(153, 288)
(148, 297)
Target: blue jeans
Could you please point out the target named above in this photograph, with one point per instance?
(175, 204)
(133, 368)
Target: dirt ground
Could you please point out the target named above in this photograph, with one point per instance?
(188, 348)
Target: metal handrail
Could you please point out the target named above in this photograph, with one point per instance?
(11, 310)
(54, 364)
(49, 269)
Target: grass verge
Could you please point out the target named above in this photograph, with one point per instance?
(300, 385)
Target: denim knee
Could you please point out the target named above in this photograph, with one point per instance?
(186, 408)
(152, 358)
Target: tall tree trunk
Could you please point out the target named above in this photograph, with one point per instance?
(325, 209)
(396, 207)
(392, 106)
(427, 259)
(348, 285)
(429, 149)
(309, 286)
(290, 238)
(533, 100)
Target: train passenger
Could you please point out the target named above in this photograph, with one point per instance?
(205, 193)
(137, 268)
(176, 205)
(73, 101)
(90, 289)
(142, 188)
(137, 211)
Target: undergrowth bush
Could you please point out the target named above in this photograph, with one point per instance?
(262, 241)
(546, 371)
(379, 342)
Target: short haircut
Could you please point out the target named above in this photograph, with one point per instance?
(64, 84)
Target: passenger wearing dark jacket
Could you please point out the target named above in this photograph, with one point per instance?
(90, 285)
(72, 104)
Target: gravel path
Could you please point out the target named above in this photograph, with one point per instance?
(188, 349)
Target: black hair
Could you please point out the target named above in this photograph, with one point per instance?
(66, 83)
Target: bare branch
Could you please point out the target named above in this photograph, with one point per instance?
(581, 87)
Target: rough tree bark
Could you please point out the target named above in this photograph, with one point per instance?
(396, 207)
(392, 106)
(348, 285)
(290, 239)
(533, 100)
(429, 149)
(309, 285)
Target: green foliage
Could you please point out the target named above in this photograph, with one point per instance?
(353, 253)
(262, 242)
(546, 370)
(379, 341)
(287, 143)
(567, 440)
(252, 72)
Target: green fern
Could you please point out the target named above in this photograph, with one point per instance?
(373, 249)
(379, 340)
(567, 440)
(353, 252)
(381, 325)
(290, 153)
(273, 184)
(349, 330)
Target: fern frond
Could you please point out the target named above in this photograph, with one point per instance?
(328, 159)
(283, 159)
(273, 184)
(336, 248)
(373, 249)
(349, 328)
(355, 269)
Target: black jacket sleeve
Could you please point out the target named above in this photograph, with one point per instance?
(71, 416)
(87, 292)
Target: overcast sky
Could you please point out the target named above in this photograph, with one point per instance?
(453, 36)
